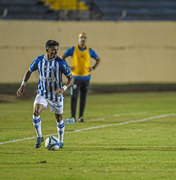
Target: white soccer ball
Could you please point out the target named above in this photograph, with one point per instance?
(52, 143)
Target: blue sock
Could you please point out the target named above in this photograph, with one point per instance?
(37, 125)
(61, 130)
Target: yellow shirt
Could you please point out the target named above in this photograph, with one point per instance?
(81, 62)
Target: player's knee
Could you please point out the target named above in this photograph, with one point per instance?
(58, 117)
(36, 113)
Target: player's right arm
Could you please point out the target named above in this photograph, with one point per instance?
(67, 53)
(33, 67)
(26, 77)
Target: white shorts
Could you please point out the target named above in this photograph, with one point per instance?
(55, 107)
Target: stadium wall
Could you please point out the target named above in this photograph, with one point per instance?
(131, 52)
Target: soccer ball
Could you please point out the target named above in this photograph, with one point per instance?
(52, 143)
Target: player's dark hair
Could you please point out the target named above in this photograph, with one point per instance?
(51, 43)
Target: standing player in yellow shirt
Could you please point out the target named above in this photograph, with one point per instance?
(81, 70)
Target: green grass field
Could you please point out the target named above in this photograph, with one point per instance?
(140, 142)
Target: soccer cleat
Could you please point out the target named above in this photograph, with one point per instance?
(39, 141)
(61, 145)
(81, 120)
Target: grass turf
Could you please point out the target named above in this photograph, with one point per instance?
(145, 150)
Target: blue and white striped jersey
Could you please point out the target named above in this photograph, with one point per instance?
(50, 75)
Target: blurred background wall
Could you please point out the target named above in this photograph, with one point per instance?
(134, 38)
(130, 51)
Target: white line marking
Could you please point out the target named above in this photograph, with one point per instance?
(17, 140)
(97, 127)
(118, 115)
(124, 123)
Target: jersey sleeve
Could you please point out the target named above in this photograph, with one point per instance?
(64, 68)
(34, 65)
(93, 54)
(69, 52)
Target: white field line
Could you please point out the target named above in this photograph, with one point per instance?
(117, 115)
(124, 123)
(97, 127)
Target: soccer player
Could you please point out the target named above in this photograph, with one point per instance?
(50, 89)
(81, 70)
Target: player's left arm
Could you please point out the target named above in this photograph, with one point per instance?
(65, 87)
(66, 71)
(68, 83)
(97, 62)
(96, 58)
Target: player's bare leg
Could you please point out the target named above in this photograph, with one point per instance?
(38, 108)
(60, 129)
